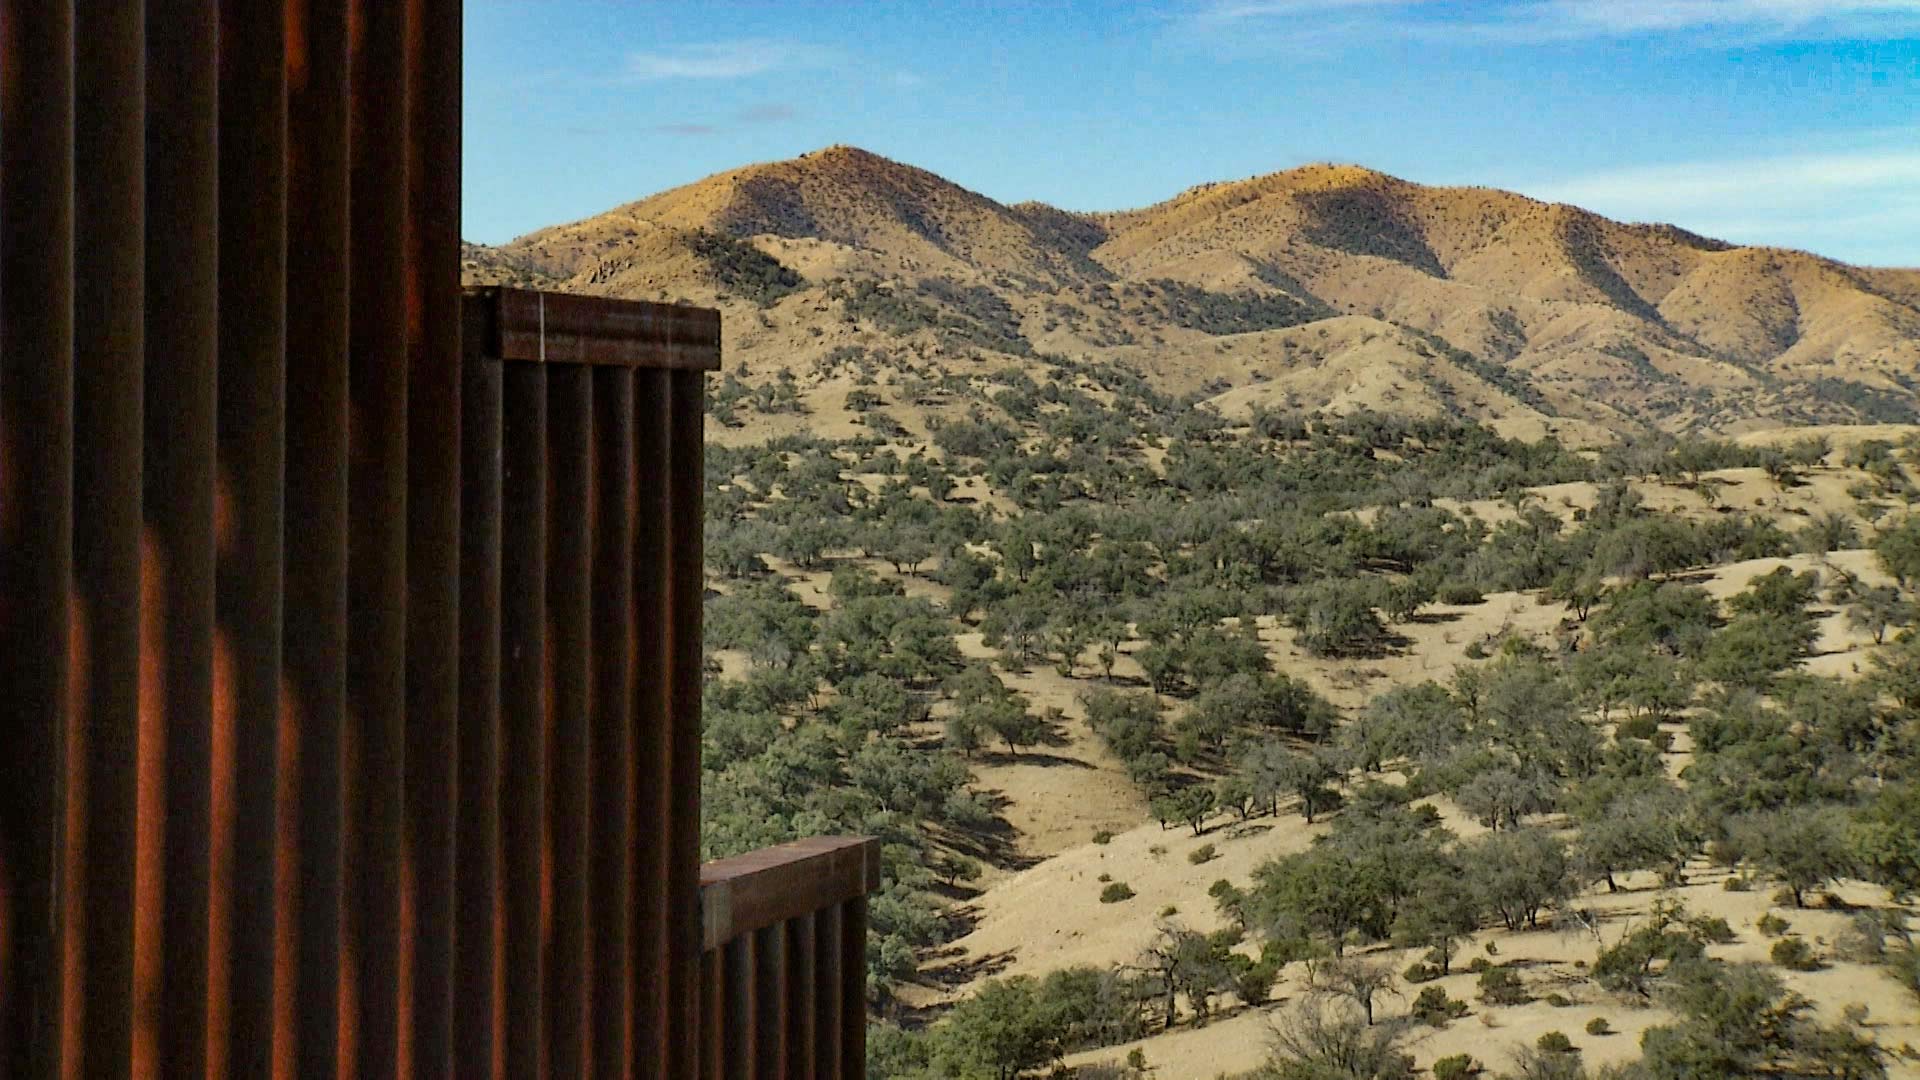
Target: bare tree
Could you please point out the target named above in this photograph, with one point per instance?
(1360, 981)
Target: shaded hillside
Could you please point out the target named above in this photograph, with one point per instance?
(1505, 308)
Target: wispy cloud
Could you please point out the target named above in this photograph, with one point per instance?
(1753, 20)
(765, 114)
(1711, 183)
(1540, 21)
(737, 59)
(751, 116)
(1861, 203)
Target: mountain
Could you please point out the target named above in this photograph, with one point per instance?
(1321, 286)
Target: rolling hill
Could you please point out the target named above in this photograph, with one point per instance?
(1325, 286)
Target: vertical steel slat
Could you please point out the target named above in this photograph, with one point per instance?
(316, 510)
(523, 707)
(376, 535)
(181, 339)
(36, 507)
(686, 601)
(771, 1045)
(477, 1043)
(713, 1014)
(570, 524)
(853, 976)
(611, 837)
(652, 726)
(109, 245)
(802, 997)
(830, 956)
(433, 519)
(741, 1032)
(247, 635)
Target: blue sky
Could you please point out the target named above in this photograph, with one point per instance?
(1790, 122)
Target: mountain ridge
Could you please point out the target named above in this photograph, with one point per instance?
(1610, 328)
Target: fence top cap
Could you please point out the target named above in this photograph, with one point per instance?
(561, 328)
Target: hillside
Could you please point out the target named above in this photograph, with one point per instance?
(1192, 601)
(1321, 286)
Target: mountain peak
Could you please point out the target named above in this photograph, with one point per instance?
(1621, 326)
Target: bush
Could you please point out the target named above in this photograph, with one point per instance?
(1500, 986)
(1795, 954)
(1559, 1001)
(1433, 1006)
(1455, 1067)
(1711, 929)
(1115, 892)
(1205, 853)
(1479, 965)
(1104, 836)
(1556, 1042)
(1420, 972)
(1637, 727)
(1771, 925)
(1599, 1026)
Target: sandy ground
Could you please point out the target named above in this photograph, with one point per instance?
(1547, 959)
(1041, 910)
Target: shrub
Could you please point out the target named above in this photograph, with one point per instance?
(1637, 727)
(1795, 954)
(1559, 1001)
(1203, 854)
(1419, 972)
(1556, 1042)
(1169, 911)
(1455, 1067)
(1599, 1026)
(1771, 925)
(1479, 965)
(1433, 1006)
(1500, 986)
(1104, 836)
(1104, 878)
(1115, 892)
(1711, 929)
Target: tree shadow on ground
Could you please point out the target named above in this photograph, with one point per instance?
(1032, 757)
(951, 967)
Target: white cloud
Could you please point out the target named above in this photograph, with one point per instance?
(1859, 204)
(1710, 183)
(725, 60)
(1566, 20)
(1777, 20)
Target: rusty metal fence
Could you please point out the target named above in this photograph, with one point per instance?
(349, 625)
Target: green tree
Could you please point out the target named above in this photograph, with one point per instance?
(1441, 909)
(1189, 806)
(1802, 848)
(1519, 873)
(1898, 548)
(1878, 609)
(1000, 1030)
(1885, 838)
